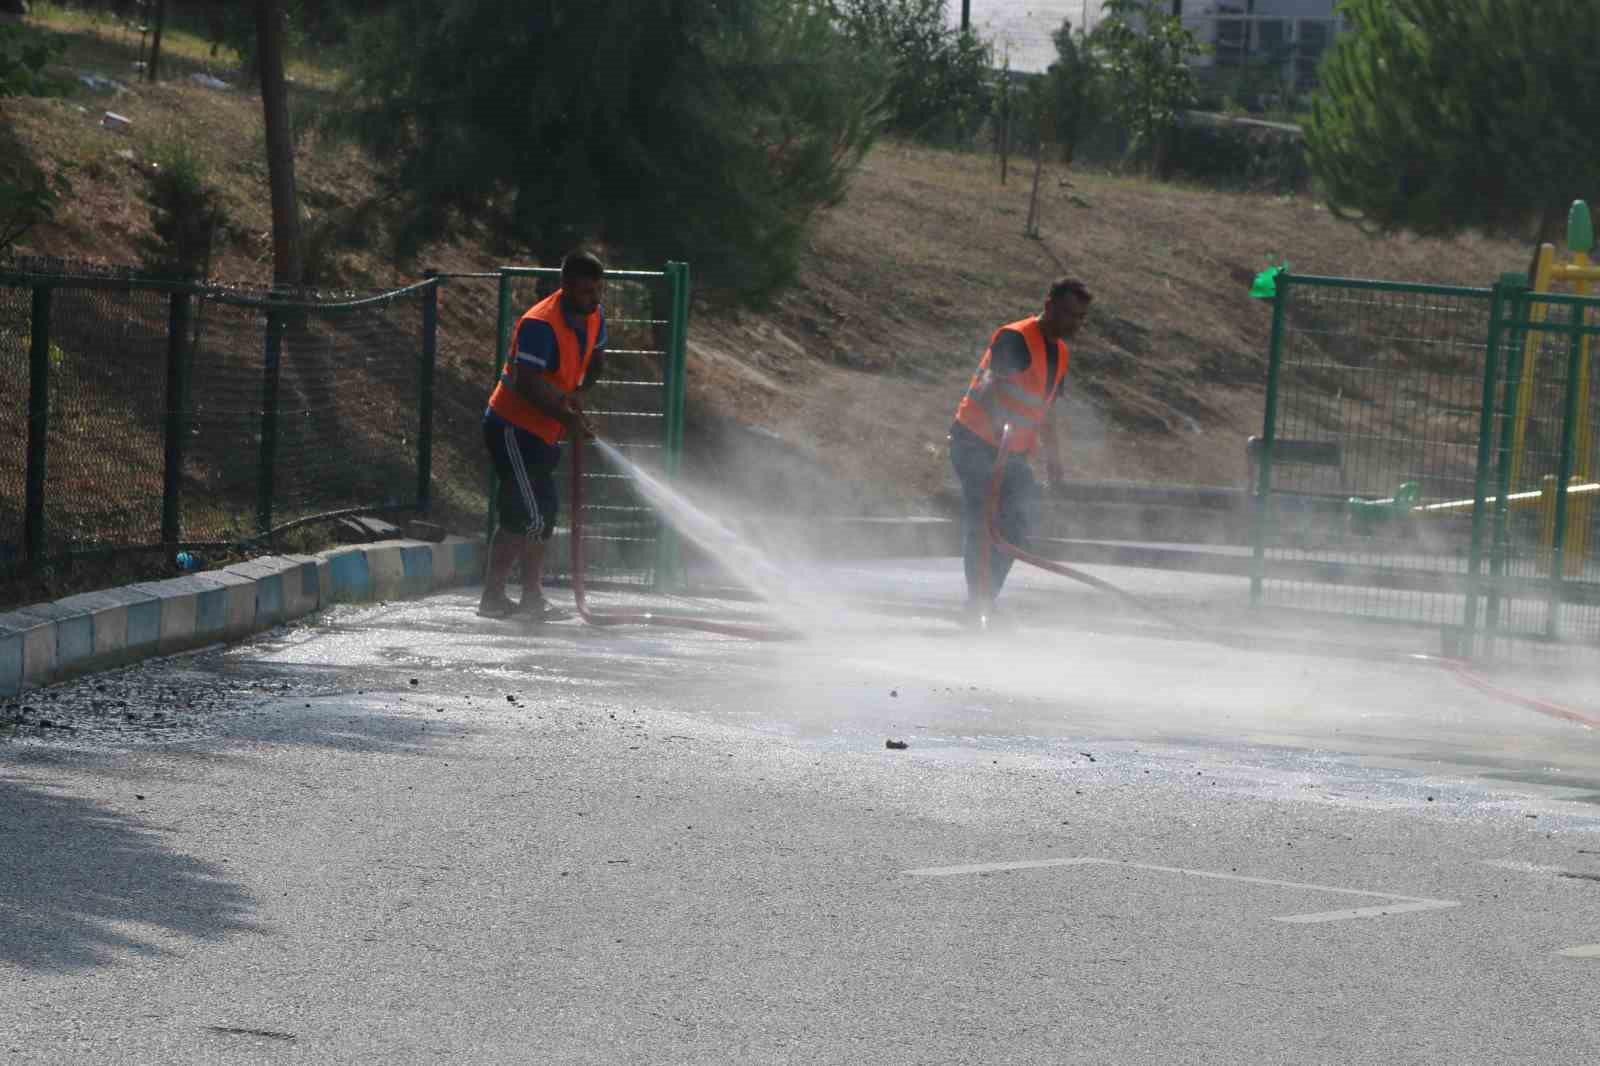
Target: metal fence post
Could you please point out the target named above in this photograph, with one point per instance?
(1516, 288)
(1258, 568)
(502, 334)
(1480, 489)
(38, 425)
(1569, 423)
(271, 369)
(177, 423)
(676, 377)
(430, 339)
(669, 559)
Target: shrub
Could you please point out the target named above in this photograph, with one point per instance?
(185, 212)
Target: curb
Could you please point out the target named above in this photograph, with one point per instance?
(49, 642)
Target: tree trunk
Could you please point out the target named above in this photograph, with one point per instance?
(287, 267)
(152, 70)
(1031, 228)
(1005, 138)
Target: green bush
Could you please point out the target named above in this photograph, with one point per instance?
(27, 195)
(940, 87)
(185, 212)
(1254, 157)
(707, 131)
(24, 54)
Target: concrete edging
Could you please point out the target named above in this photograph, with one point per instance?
(49, 642)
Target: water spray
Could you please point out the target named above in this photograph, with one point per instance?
(744, 630)
(992, 539)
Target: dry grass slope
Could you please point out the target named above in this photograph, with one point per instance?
(906, 279)
(852, 375)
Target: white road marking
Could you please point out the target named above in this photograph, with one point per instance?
(1400, 904)
(1582, 951)
(1523, 867)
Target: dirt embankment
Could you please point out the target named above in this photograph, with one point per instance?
(858, 368)
(836, 398)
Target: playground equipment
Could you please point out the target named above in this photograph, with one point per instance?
(1571, 512)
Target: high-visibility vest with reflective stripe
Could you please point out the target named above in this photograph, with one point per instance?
(510, 405)
(1023, 399)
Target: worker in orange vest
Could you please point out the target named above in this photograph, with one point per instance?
(1017, 382)
(557, 351)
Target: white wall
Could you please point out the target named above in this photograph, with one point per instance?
(1292, 8)
(1024, 26)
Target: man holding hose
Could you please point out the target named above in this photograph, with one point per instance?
(1017, 382)
(557, 351)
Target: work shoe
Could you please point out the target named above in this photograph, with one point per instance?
(495, 607)
(541, 610)
(986, 617)
(977, 615)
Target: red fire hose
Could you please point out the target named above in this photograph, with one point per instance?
(744, 630)
(992, 539)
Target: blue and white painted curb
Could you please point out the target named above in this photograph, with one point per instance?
(49, 642)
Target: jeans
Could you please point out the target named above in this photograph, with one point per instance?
(973, 460)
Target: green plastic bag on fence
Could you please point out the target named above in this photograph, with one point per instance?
(1265, 287)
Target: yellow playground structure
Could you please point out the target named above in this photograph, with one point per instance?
(1578, 276)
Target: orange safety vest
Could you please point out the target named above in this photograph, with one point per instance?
(1022, 399)
(510, 405)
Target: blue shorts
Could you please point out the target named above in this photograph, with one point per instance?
(527, 468)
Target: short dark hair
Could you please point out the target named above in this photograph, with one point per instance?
(581, 263)
(1061, 286)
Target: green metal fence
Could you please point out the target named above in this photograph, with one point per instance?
(1426, 457)
(637, 407)
(144, 413)
(141, 413)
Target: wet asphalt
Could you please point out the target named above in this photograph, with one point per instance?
(399, 833)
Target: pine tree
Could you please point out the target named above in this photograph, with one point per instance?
(708, 130)
(1443, 115)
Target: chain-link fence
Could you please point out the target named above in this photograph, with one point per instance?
(1427, 458)
(157, 414)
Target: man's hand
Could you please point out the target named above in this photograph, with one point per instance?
(1052, 456)
(572, 416)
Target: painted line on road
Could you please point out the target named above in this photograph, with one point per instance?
(1581, 951)
(1524, 867)
(1401, 904)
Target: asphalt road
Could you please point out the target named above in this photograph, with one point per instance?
(404, 834)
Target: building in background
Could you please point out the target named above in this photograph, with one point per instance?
(1273, 46)
(1269, 47)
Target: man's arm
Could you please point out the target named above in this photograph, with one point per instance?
(1052, 454)
(1008, 355)
(537, 355)
(561, 406)
(531, 386)
(597, 369)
